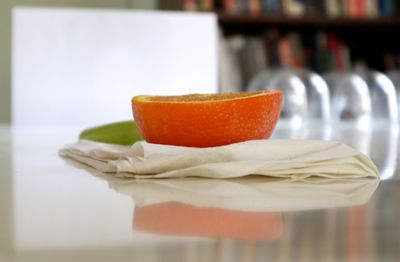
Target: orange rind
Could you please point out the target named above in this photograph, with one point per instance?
(206, 120)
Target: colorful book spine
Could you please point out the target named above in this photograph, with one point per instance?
(385, 7)
(254, 7)
(207, 5)
(190, 5)
(371, 8)
(230, 6)
(332, 8)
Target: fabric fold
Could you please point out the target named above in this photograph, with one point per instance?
(274, 158)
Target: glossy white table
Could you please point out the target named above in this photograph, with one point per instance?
(55, 210)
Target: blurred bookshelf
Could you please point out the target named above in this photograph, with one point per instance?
(227, 19)
(323, 35)
(290, 8)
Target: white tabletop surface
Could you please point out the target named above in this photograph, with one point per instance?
(55, 210)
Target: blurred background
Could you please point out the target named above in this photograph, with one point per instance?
(334, 59)
(6, 7)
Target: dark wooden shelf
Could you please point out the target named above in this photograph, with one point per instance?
(312, 21)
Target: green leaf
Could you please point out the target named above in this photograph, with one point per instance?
(121, 133)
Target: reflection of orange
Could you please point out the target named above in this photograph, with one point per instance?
(174, 218)
(207, 120)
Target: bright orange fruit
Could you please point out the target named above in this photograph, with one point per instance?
(205, 120)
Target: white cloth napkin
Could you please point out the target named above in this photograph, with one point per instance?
(275, 158)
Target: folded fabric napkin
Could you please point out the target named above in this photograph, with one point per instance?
(275, 158)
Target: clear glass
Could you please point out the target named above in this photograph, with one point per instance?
(294, 108)
(306, 94)
(351, 101)
(383, 97)
(395, 77)
(386, 139)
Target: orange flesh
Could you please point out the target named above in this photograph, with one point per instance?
(199, 97)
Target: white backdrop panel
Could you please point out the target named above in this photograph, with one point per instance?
(82, 66)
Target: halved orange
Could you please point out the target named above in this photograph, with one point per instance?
(205, 120)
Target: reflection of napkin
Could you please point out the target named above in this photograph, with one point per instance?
(250, 193)
(275, 158)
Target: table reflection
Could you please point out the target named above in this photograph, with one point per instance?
(177, 218)
(54, 212)
(61, 210)
(248, 208)
(258, 194)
